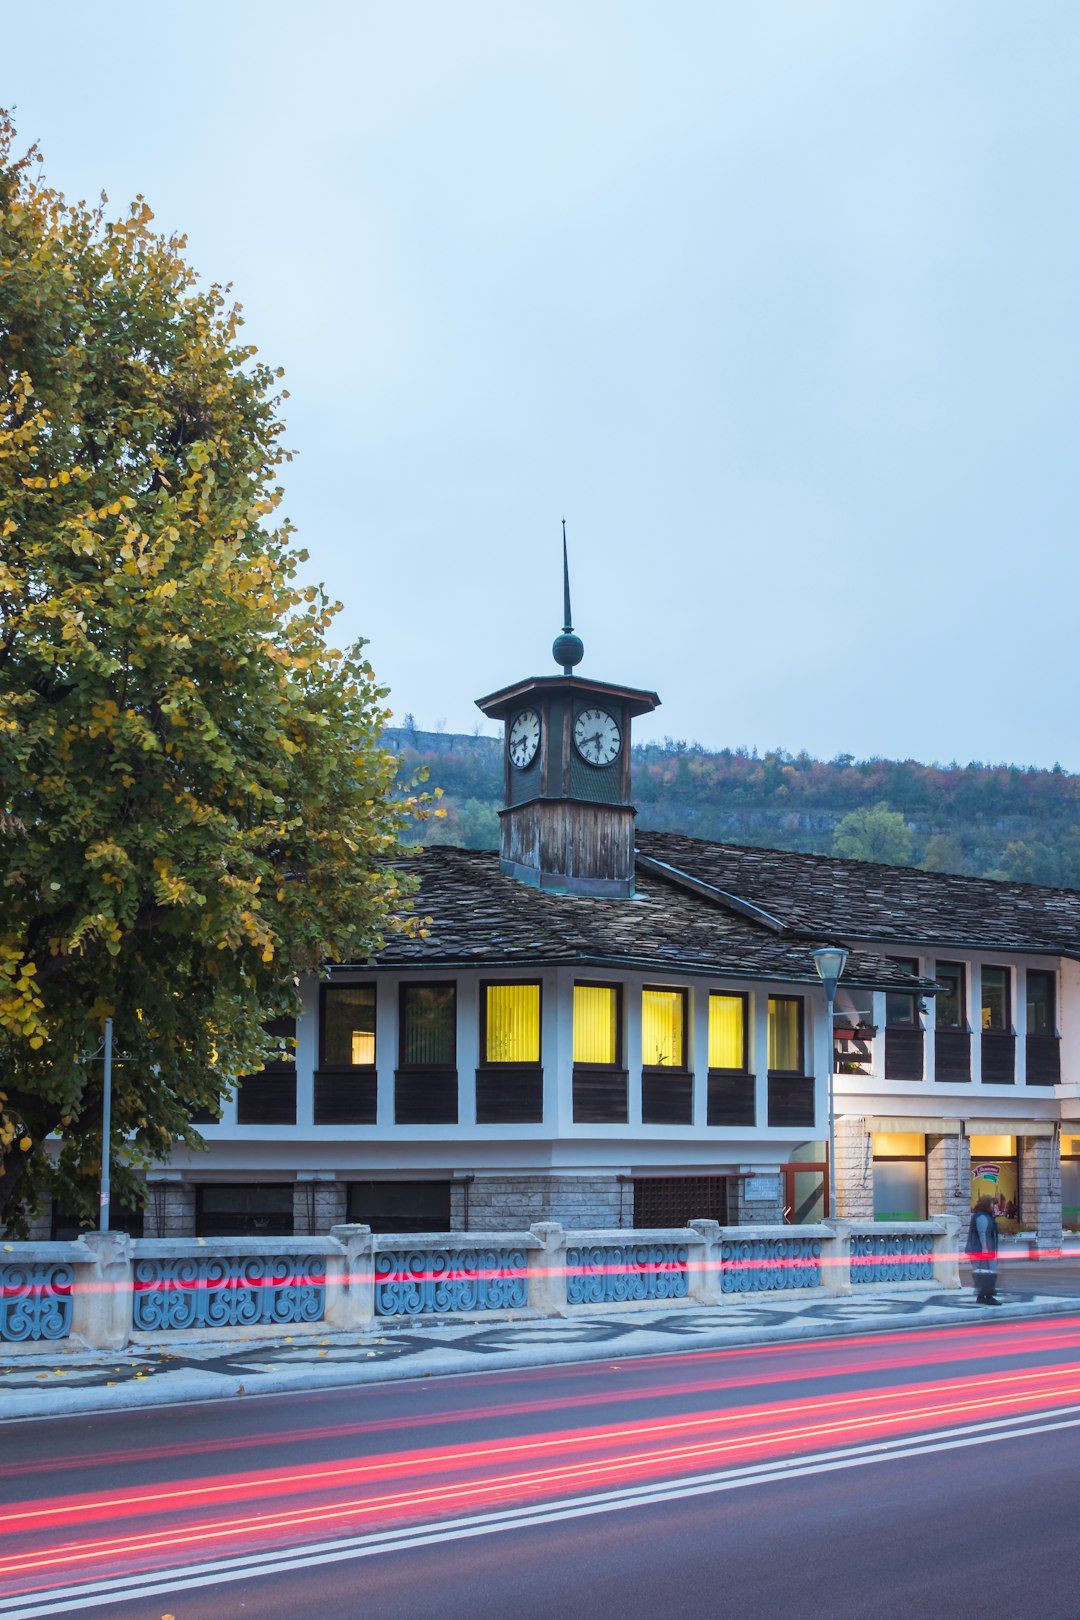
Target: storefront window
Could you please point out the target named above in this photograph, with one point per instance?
(995, 1175)
(806, 1179)
(1070, 1183)
(899, 1176)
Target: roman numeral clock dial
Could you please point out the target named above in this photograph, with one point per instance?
(524, 738)
(597, 737)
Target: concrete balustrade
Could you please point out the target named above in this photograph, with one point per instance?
(107, 1290)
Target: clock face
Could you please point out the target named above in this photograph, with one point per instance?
(597, 736)
(524, 738)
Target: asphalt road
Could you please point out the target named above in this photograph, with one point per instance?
(923, 1472)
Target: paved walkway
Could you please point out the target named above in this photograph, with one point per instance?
(43, 1381)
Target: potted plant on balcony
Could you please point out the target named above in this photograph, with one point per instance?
(843, 1032)
(866, 1032)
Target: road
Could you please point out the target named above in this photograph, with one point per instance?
(925, 1472)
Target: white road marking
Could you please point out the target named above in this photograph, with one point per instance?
(254, 1566)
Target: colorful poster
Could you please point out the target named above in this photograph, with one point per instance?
(997, 1180)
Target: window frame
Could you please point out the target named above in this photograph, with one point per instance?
(425, 984)
(620, 1042)
(515, 1065)
(730, 995)
(801, 1003)
(326, 1067)
(963, 1027)
(684, 996)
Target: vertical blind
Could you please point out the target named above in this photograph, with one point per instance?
(513, 1023)
(596, 1013)
(662, 1028)
(785, 1034)
(428, 1017)
(348, 1025)
(727, 1033)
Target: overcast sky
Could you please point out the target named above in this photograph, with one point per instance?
(776, 302)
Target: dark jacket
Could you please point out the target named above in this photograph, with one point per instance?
(982, 1240)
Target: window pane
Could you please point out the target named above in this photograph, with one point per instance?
(785, 1044)
(662, 1028)
(348, 1025)
(596, 1023)
(899, 1144)
(995, 998)
(727, 1034)
(899, 1005)
(427, 1024)
(1040, 1002)
(513, 1023)
(1070, 1194)
(950, 999)
(900, 1190)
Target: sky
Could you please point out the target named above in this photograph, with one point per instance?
(777, 304)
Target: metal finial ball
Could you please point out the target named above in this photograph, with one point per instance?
(568, 649)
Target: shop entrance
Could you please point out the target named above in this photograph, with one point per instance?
(995, 1174)
(806, 1185)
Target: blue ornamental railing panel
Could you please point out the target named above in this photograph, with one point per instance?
(417, 1282)
(765, 1265)
(883, 1257)
(35, 1300)
(212, 1291)
(619, 1274)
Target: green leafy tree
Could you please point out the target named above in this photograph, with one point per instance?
(193, 805)
(875, 834)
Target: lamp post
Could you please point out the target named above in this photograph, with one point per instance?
(829, 961)
(106, 1130)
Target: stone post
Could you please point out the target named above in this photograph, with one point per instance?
(1040, 1188)
(102, 1294)
(547, 1269)
(854, 1170)
(948, 1177)
(947, 1253)
(836, 1258)
(705, 1269)
(350, 1280)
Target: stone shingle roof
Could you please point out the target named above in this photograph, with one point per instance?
(891, 905)
(482, 918)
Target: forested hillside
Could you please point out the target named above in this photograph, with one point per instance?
(999, 821)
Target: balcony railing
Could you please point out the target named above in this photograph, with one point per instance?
(509, 1095)
(268, 1098)
(600, 1096)
(903, 1054)
(952, 1056)
(347, 1098)
(998, 1058)
(732, 1098)
(1043, 1060)
(791, 1100)
(425, 1096)
(667, 1097)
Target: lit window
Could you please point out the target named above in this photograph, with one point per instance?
(727, 1032)
(428, 1026)
(348, 1026)
(663, 1029)
(512, 1023)
(596, 1024)
(786, 1034)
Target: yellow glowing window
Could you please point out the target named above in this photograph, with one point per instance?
(512, 1026)
(785, 1034)
(663, 1025)
(992, 1147)
(1070, 1145)
(899, 1145)
(727, 1032)
(596, 1023)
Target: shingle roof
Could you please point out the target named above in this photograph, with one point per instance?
(893, 905)
(481, 917)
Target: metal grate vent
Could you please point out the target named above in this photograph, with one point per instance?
(674, 1200)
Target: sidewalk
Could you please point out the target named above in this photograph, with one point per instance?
(52, 1381)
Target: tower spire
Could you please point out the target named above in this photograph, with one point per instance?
(567, 649)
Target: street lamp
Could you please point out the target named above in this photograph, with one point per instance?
(829, 961)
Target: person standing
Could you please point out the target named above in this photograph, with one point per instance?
(982, 1248)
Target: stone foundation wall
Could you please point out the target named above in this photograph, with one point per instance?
(1040, 1185)
(317, 1206)
(948, 1187)
(755, 1200)
(170, 1209)
(854, 1171)
(508, 1203)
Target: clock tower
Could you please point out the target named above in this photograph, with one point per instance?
(567, 821)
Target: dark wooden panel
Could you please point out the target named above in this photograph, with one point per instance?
(952, 1055)
(207, 1116)
(346, 1099)
(1043, 1060)
(998, 1058)
(268, 1098)
(903, 1054)
(510, 1096)
(667, 1097)
(600, 1096)
(425, 1097)
(732, 1099)
(791, 1100)
(661, 1201)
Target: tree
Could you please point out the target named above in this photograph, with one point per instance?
(876, 834)
(193, 806)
